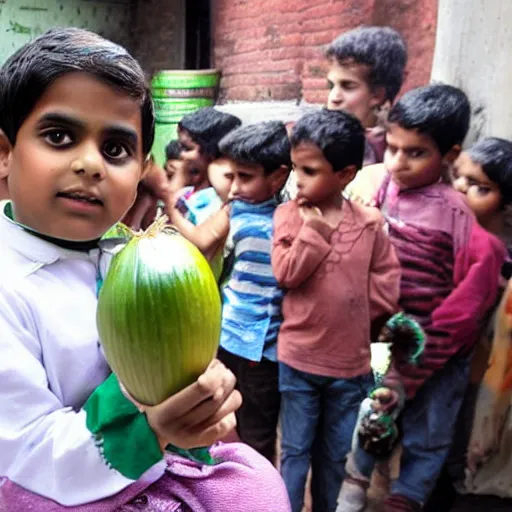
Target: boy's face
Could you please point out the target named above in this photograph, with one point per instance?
(176, 174)
(482, 194)
(196, 161)
(250, 183)
(317, 183)
(412, 158)
(74, 169)
(349, 91)
(220, 176)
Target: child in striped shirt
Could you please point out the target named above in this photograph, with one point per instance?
(259, 156)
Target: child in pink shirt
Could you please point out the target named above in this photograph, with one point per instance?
(341, 281)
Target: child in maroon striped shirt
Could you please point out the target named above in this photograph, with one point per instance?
(450, 268)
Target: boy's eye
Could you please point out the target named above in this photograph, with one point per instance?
(308, 171)
(349, 86)
(58, 137)
(416, 153)
(482, 191)
(115, 150)
(330, 85)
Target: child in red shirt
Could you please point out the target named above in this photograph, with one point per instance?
(341, 281)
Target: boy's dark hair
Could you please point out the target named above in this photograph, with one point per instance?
(35, 66)
(495, 157)
(173, 150)
(438, 110)
(382, 49)
(337, 133)
(207, 126)
(264, 144)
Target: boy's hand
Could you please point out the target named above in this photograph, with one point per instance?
(386, 400)
(200, 414)
(173, 200)
(154, 187)
(308, 211)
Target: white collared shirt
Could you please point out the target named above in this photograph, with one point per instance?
(50, 363)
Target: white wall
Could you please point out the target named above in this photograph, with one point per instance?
(474, 52)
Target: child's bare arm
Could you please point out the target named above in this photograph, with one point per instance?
(295, 258)
(207, 236)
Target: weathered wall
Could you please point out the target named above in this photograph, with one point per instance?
(153, 30)
(473, 52)
(22, 20)
(272, 49)
(159, 34)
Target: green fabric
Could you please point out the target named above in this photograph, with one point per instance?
(121, 431)
(199, 455)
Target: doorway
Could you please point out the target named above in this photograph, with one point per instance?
(198, 34)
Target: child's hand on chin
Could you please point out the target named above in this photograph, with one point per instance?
(200, 414)
(307, 210)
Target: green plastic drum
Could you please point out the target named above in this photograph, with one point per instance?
(175, 94)
(171, 110)
(164, 132)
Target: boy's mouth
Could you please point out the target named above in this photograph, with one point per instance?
(83, 197)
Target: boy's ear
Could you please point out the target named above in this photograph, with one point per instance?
(278, 178)
(5, 155)
(452, 155)
(147, 166)
(378, 97)
(346, 175)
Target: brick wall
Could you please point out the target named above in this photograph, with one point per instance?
(158, 30)
(272, 49)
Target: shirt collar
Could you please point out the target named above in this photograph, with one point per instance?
(30, 246)
(239, 206)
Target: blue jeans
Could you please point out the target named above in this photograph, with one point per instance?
(428, 424)
(322, 410)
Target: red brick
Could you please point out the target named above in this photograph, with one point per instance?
(315, 83)
(320, 38)
(273, 49)
(314, 96)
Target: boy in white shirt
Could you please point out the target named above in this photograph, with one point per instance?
(76, 125)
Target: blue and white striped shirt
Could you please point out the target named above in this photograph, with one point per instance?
(251, 314)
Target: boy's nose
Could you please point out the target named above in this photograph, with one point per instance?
(233, 189)
(335, 96)
(460, 184)
(89, 163)
(395, 162)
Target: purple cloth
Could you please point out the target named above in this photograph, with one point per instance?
(243, 481)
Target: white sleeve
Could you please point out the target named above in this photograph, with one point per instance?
(44, 446)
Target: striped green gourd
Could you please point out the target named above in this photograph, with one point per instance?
(159, 314)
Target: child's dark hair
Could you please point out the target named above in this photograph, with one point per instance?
(440, 111)
(495, 157)
(173, 150)
(382, 49)
(34, 67)
(264, 144)
(338, 134)
(207, 126)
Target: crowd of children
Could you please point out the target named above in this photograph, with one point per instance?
(307, 285)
